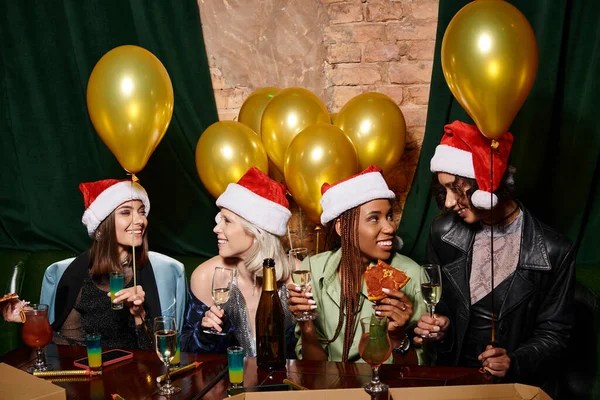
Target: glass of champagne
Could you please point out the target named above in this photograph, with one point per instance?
(300, 264)
(375, 347)
(37, 333)
(431, 289)
(165, 338)
(221, 287)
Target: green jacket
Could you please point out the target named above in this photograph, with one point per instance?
(326, 290)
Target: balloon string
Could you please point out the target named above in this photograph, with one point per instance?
(133, 179)
(289, 237)
(301, 229)
(493, 145)
(318, 231)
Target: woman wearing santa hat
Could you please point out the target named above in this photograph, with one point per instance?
(253, 218)
(534, 272)
(77, 289)
(358, 215)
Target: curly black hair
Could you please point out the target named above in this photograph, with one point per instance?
(505, 191)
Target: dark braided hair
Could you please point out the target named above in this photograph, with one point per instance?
(351, 270)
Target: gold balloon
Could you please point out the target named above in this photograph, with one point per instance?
(225, 151)
(490, 59)
(376, 126)
(130, 102)
(275, 173)
(285, 116)
(252, 110)
(251, 114)
(320, 153)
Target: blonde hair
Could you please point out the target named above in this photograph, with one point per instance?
(266, 245)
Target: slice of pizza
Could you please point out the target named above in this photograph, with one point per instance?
(382, 275)
(8, 297)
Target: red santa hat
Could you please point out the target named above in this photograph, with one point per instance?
(102, 197)
(352, 192)
(464, 151)
(259, 200)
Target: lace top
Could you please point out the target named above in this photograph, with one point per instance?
(507, 243)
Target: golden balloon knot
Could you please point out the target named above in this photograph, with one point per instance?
(495, 144)
(134, 178)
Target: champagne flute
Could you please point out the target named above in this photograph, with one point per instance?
(221, 287)
(431, 289)
(37, 333)
(301, 276)
(375, 347)
(165, 338)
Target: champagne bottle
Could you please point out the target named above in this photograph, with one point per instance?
(270, 322)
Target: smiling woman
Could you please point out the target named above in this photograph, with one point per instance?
(254, 215)
(77, 290)
(358, 215)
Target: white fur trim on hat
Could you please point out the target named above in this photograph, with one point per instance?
(264, 213)
(111, 198)
(481, 199)
(453, 161)
(351, 193)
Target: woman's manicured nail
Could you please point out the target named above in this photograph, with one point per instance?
(386, 290)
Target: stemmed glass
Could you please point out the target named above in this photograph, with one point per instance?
(221, 287)
(301, 276)
(431, 289)
(165, 338)
(37, 333)
(375, 347)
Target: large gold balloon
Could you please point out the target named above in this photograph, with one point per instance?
(376, 126)
(251, 114)
(252, 110)
(490, 59)
(130, 102)
(225, 151)
(285, 116)
(320, 153)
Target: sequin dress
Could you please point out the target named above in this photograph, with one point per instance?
(236, 324)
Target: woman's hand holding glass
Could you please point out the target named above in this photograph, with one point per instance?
(221, 289)
(301, 276)
(430, 328)
(300, 300)
(134, 299)
(213, 318)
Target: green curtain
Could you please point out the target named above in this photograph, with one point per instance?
(48, 144)
(557, 143)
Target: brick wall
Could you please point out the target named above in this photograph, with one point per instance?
(335, 48)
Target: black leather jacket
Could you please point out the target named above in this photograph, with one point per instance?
(534, 322)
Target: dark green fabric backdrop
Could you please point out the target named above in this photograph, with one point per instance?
(557, 135)
(48, 144)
